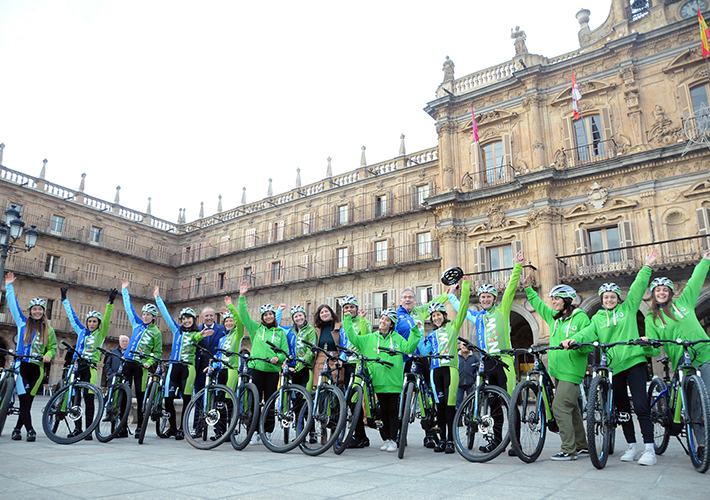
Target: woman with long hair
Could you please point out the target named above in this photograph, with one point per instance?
(36, 338)
(327, 325)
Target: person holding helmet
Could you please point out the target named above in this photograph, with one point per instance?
(672, 319)
(35, 337)
(616, 322)
(181, 376)
(89, 339)
(145, 339)
(567, 367)
(445, 375)
(265, 376)
(386, 380)
(295, 335)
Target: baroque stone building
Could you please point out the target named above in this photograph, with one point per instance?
(584, 198)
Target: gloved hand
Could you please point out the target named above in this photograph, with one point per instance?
(64, 292)
(112, 295)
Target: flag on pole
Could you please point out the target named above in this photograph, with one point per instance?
(576, 96)
(704, 34)
(475, 127)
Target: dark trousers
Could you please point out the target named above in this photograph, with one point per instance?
(84, 374)
(30, 374)
(496, 376)
(133, 374)
(266, 384)
(635, 379)
(389, 409)
(444, 413)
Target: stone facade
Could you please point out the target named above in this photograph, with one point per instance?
(583, 208)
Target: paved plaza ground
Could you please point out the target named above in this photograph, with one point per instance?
(169, 469)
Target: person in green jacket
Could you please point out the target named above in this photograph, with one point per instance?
(35, 339)
(443, 340)
(231, 342)
(616, 322)
(89, 339)
(265, 376)
(387, 381)
(675, 319)
(567, 367)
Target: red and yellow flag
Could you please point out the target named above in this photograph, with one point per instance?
(704, 35)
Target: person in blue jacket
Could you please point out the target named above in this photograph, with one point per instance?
(211, 343)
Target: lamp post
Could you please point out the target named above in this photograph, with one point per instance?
(11, 230)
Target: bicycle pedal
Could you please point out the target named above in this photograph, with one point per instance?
(624, 417)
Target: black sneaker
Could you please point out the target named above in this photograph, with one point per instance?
(170, 433)
(563, 457)
(16, 435)
(440, 447)
(429, 442)
(488, 448)
(179, 435)
(449, 448)
(138, 432)
(74, 433)
(511, 452)
(31, 436)
(88, 437)
(583, 453)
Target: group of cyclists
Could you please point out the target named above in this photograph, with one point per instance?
(397, 333)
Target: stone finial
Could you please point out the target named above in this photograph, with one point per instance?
(219, 204)
(244, 196)
(179, 219)
(363, 161)
(117, 198)
(583, 18)
(270, 191)
(448, 69)
(148, 210)
(2, 146)
(183, 217)
(519, 37)
(202, 210)
(298, 177)
(329, 170)
(402, 150)
(83, 183)
(44, 169)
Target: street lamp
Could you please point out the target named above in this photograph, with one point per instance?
(10, 231)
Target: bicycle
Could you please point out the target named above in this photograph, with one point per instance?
(484, 432)
(210, 417)
(153, 397)
(117, 405)
(7, 387)
(416, 398)
(329, 409)
(68, 405)
(290, 407)
(531, 408)
(681, 407)
(359, 387)
(247, 409)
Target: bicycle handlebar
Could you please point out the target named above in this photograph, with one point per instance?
(289, 358)
(315, 348)
(245, 357)
(392, 352)
(15, 355)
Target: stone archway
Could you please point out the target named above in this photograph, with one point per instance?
(702, 309)
(524, 332)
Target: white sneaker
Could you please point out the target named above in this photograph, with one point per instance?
(648, 458)
(631, 455)
(392, 446)
(255, 438)
(385, 445)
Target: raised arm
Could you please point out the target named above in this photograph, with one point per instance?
(172, 324)
(135, 320)
(465, 294)
(73, 318)
(506, 303)
(12, 302)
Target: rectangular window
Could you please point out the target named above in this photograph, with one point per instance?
(162, 252)
(130, 243)
(343, 214)
(92, 272)
(250, 237)
(342, 258)
(275, 271)
(381, 251)
(379, 302)
(381, 206)
(95, 237)
(424, 244)
(222, 280)
(306, 224)
(247, 274)
(425, 294)
(57, 224)
(500, 258)
(699, 98)
(198, 286)
(50, 308)
(51, 264)
(126, 275)
(589, 137)
(422, 193)
(159, 283)
(276, 232)
(493, 161)
(605, 239)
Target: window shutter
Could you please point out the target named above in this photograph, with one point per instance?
(367, 305)
(436, 289)
(270, 238)
(626, 240)
(507, 157)
(478, 170)
(703, 215)
(582, 244)
(306, 229)
(567, 133)
(517, 246)
(330, 302)
(224, 244)
(391, 294)
(606, 123)
(390, 251)
(685, 101)
(413, 198)
(305, 267)
(351, 212)
(250, 237)
(350, 258)
(184, 288)
(280, 230)
(481, 260)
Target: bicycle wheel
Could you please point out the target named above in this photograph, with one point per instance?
(353, 410)
(65, 411)
(696, 416)
(286, 419)
(328, 418)
(161, 415)
(148, 404)
(409, 412)
(209, 418)
(658, 405)
(599, 422)
(114, 414)
(7, 390)
(484, 433)
(528, 421)
(247, 416)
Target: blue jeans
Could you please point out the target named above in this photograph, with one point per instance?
(464, 390)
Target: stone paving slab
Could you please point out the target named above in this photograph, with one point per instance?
(169, 469)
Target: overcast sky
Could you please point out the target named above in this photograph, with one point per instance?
(184, 101)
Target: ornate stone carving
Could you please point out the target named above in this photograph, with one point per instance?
(544, 214)
(519, 37)
(597, 195)
(662, 130)
(538, 145)
(496, 217)
(448, 69)
(559, 160)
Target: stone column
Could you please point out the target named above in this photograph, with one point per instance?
(534, 102)
(445, 130)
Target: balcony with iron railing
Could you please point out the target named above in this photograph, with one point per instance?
(676, 253)
(593, 152)
(489, 177)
